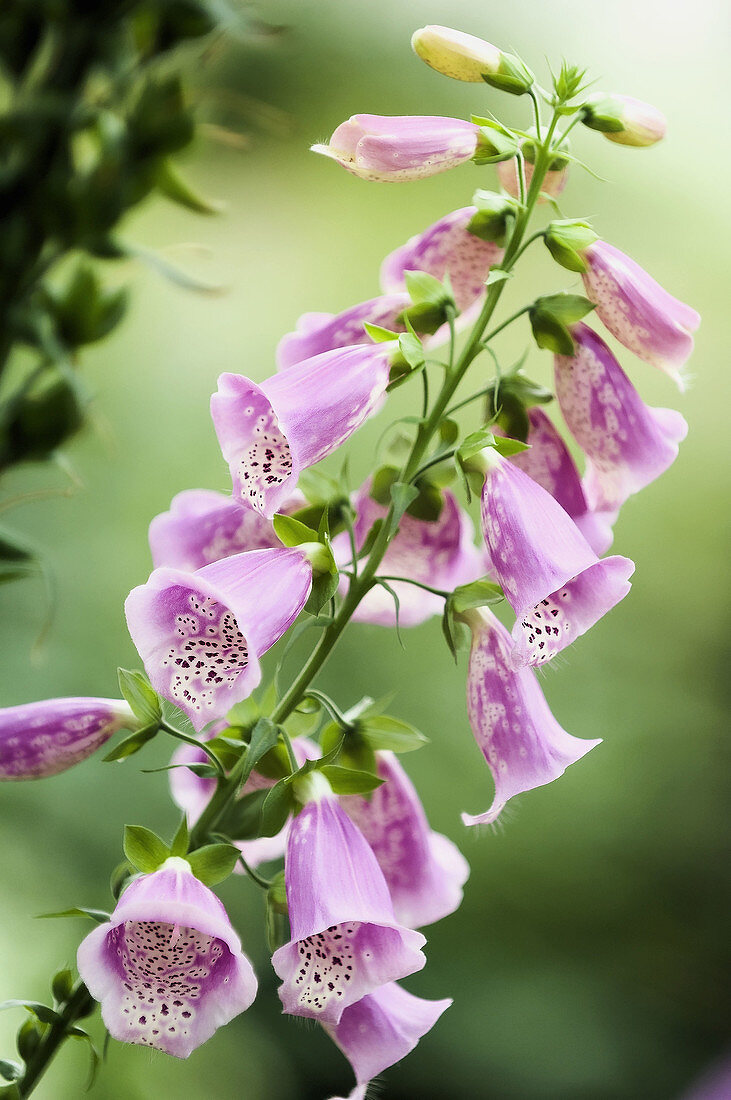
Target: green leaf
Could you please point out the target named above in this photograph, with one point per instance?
(378, 334)
(213, 863)
(140, 695)
(402, 495)
(382, 732)
(264, 736)
(349, 781)
(278, 805)
(243, 818)
(497, 275)
(99, 915)
(174, 187)
(144, 849)
(132, 744)
(179, 845)
(291, 532)
(476, 594)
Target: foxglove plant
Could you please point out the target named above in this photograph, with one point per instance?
(265, 774)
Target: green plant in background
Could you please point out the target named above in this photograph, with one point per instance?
(362, 868)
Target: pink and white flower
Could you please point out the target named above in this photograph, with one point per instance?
(45, 738)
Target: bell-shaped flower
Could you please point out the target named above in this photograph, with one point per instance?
(192, 794)
(551, 577)
(637, 311)
(394, 148)
(440, 553)
(270, 433)
(424, 871)
(203, 526)
(626, 443)
(446, 248)
(200, 635)
(45, 738)
(382, 1028)
(549, 462)
(320, 332)
(346, 941)
(167, 968)
(522, 742)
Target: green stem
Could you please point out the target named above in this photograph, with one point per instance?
(257, 878)
(510, 320)
(75, 1008)
(417, 584)
(201, 745)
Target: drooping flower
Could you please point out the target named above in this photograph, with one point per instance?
(626, 443)
(439, 553)
(320, 332)
(654, 326)
(551, 577)
(45, 738)
(203, 526)
(382, 1028)
(270, 433)
(168, 968)
(424, 870)
(394, 148)
(200, 635)
(346, 941)
(192, 793)
(522, 742)
(624, 120)
(446, 248)
(549, 463)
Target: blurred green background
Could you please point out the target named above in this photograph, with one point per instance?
(587, 961)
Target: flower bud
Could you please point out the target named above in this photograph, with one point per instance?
(45, 738)
(554, 180)
(465, 57)
(624, 120)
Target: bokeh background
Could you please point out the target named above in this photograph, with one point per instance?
(587, 961)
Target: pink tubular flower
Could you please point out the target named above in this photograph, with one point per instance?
(522, 742)
(45, 738)
(446, 248)
(204, 526)
(346, 941)
(549, 463)
(320, 332)
(439, 553)
(551, 577)
(200, 635)
(394, 148)
(168, 967)
(192, 794)
(654, 326)
(424, 871)
(626, 443)
(270, 433)
(382, 1028)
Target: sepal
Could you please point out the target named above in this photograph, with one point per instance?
(566, 240)
(550, 318)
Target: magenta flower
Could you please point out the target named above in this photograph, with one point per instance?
(446, 248)
(551, 577)
(204, 526)
(382, 1028)
(192, 793)
(522, 742)
(45, 738)
(424, 871)
(200, 635)
(394, 148)
(168, 968)
(270, 433)
(637, 311)
(439, 553)
(626, 443)
(549, 463)
(320, 332)
(346, 941)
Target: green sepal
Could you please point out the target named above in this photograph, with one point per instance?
(551, 316)
(213, 863)
(569, 82)
(456, 634)
(141, 696)
(426, 289)
(28, 1038)
(9, 1071)
(144, 849)
(603, 114)
(402, 495)
(412, 350)
(264, 738)
(179, 843)
(473, 444)
(381, 733)
(305, 719)
(43, 1013)
(172, 185)
(118, 879)
(95, 1057)
(243, 818)
(490, 222)
(10, 1092)
(513, 75)
(497, 275)
(480, 593)
(566, 240)
(62, 986)
(291, 532)
(277, 806)
(83, 311)
(98, 915)
(277, 925)
(380, 335)
(132, 744)
(349, 780)
(494, 145)
(506, 446)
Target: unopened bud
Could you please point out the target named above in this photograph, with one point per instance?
(625, 120)
(465, 57)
